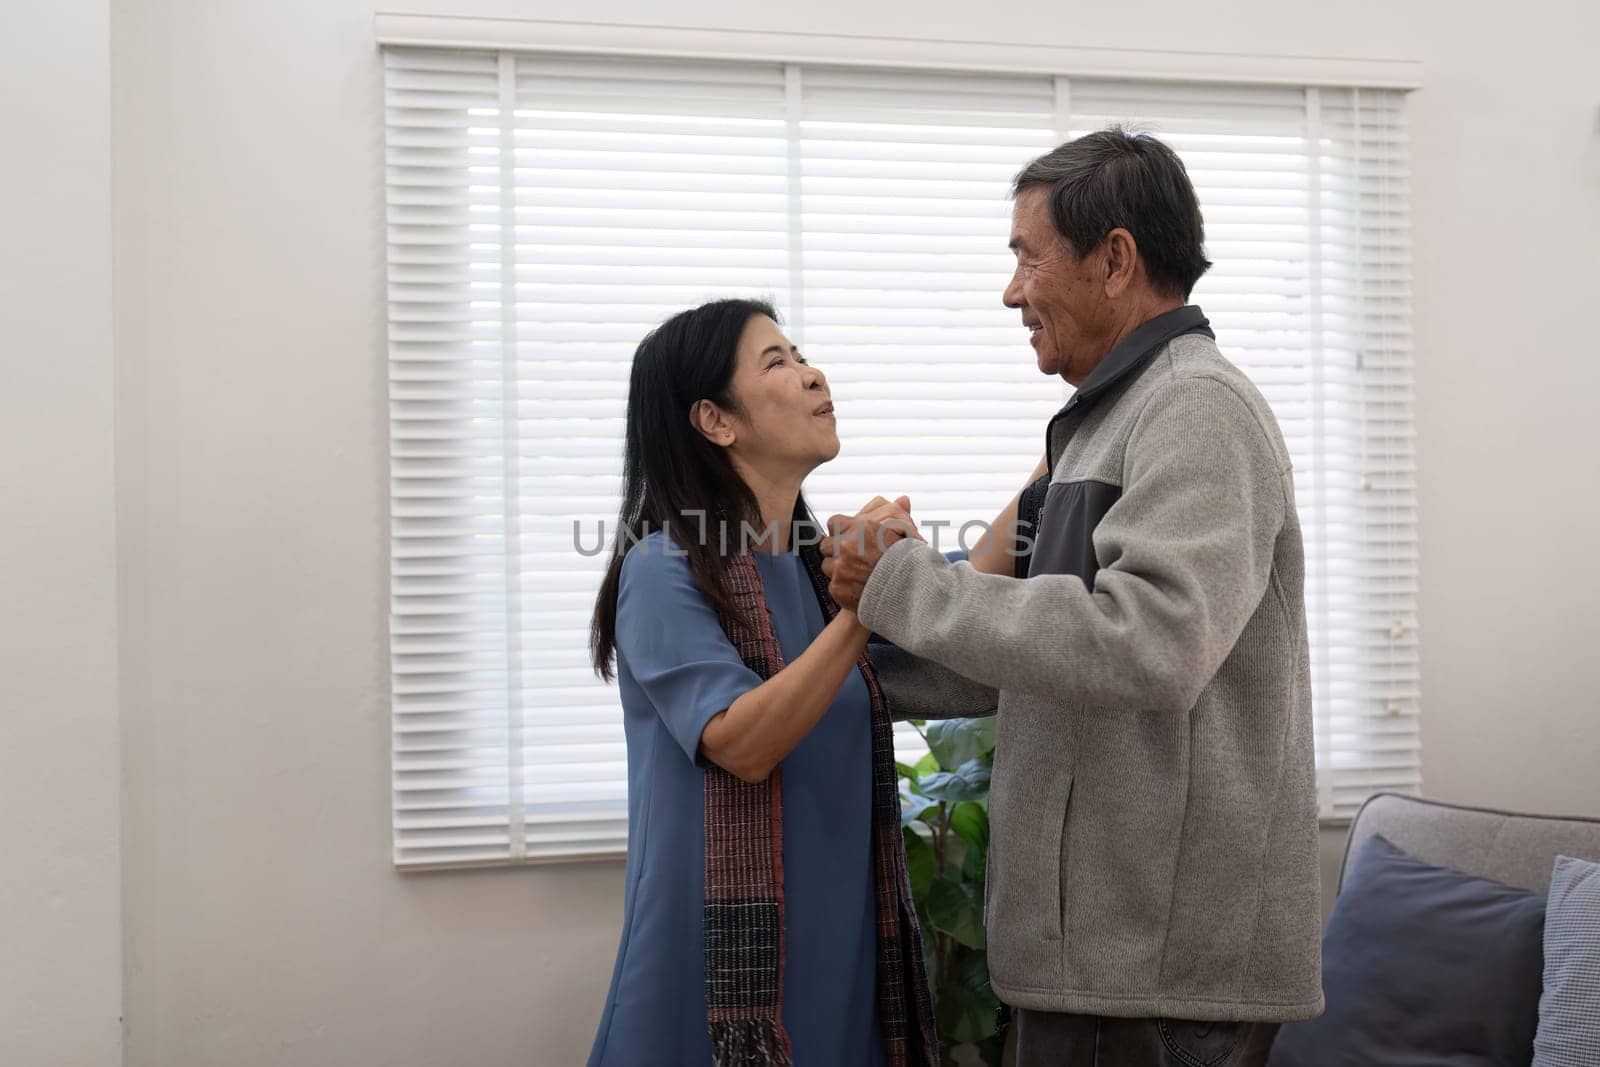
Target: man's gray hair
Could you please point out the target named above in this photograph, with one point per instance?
(1119, 178)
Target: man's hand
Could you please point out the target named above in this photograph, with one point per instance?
(855, 544)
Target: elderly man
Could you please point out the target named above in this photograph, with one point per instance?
(1153, 887)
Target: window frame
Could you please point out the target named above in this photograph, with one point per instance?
(411, 31)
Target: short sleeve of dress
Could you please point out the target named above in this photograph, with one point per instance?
(674, 646)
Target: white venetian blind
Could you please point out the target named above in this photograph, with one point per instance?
(904, 216)
(546, 211)
(901, 181)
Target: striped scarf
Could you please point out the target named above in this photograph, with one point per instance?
(744, 927)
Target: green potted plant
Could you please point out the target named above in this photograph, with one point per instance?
(944, 803)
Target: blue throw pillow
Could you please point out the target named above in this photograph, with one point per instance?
(1423, 966)
(1569, 1011)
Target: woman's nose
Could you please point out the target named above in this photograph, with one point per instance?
(818, 379)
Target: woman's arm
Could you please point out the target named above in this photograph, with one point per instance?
(764, 724)
(992, 553)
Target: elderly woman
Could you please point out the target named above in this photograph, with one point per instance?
(767, 914)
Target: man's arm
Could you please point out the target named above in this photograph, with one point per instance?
(918, 688)
(995, 552)
(1186, 554)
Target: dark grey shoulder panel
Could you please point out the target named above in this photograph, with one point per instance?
(1029, 509)
(1064, 543)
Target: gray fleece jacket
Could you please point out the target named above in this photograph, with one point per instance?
(1153, 839)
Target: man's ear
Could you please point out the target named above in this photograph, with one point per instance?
(1121, 253)
(712, 422)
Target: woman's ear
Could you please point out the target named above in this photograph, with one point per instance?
(712, 422)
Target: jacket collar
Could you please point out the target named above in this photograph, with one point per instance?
(1131, 356)
(1133, 352)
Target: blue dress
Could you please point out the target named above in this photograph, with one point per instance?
(676, 669)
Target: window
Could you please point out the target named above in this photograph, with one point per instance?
(546, 210)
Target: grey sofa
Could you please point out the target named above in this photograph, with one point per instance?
(1367, 1023)
(1513, 849)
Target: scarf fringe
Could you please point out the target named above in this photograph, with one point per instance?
(749, 1043)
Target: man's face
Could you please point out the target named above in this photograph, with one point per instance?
(1061, 296)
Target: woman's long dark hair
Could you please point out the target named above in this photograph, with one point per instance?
(673, 478)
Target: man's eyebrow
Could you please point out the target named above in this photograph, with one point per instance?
(1017, 244)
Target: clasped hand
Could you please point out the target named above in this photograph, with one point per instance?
(856, 542)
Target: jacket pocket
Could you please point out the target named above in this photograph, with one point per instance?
(1064, 857)
(1029, 791)
(1023, 895)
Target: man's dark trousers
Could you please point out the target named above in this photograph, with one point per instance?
(1051, 1039)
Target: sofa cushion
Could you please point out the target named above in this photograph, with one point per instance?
(1423, 966)
(1569, 1011)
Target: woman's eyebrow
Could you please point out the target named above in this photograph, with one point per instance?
(778, 349)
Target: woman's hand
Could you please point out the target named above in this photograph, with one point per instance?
(856, 542)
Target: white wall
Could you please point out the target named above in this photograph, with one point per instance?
(60, 927)
(264, 925)
(1506, 150)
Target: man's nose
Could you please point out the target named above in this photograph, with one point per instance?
(1012, 297)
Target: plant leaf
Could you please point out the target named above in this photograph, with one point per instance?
(975, 1015)
(975, 868)
(971, 824)
(951, 911)
(921, 865)
(913, 805)
(972, 971)
(955, 741)
(992, 1049)
(970, 781)
(927, 765)
(965, 1014)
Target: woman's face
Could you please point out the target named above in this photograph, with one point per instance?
(785, 424)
